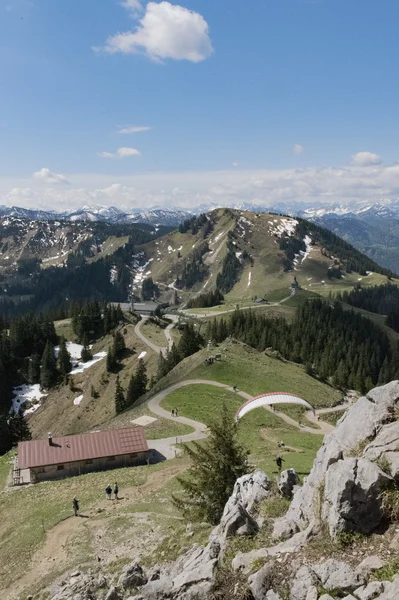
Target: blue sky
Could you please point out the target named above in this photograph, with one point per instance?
(264, 101)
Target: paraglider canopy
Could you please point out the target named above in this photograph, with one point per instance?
(268, 399)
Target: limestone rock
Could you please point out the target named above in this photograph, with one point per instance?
(251, 489)
(334, 574)
(272, 595)
(260, 582)
(352, 491)
(304, 579)
(132, 576)
(312, 594)
(362, 421)
(371, 591)
(371, 563)
(287, 480)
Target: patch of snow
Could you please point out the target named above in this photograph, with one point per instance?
(142, 355)
(113, 274)
(249, 279)
(75, 350)
(83, 366)
(360, 278)
(78, 400)
(27, 393)
(181, 248)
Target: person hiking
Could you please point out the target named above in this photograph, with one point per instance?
(75, 504)
(116, 490)
(279, 463)
(176, 412)
(173, 412)
(234, 388)
(108, 492)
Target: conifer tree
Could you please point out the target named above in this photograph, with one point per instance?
(216, 465)
(119, 345)
(138, 384)
(120, 401)
(111, 361)
(162, 368)
(48, 372)
(34, 369)
(19, 429)
(64, 358)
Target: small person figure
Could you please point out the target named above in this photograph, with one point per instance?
(176, 412)
(234, 388)
(108, 492)
(279, 463)
(116, 490)
(75, 504)
(173, 412)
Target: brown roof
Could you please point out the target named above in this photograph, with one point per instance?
(71, 448)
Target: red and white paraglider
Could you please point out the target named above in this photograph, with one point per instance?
(270, 399)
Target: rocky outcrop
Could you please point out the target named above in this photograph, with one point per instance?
(132, 576)
(251, 489)
(287, 481)
(351, 496)
(330, 576)
(356, 434)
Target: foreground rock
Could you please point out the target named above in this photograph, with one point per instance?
(287, 482)
(369, 420)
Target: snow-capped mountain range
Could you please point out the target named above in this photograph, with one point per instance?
(175, 215)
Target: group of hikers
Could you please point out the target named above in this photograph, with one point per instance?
(108, 495)
(175, 412)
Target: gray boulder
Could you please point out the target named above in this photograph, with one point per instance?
(236, 521)
(330, 575)
(371, 591)
(334, 574)
(304, 579)
(369, 564)
(132, 576)
(351, 497)
(188, 577)
(287, 480)
(362, 421)
(260, 582)
(251, 489)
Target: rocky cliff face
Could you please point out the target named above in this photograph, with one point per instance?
(356, 468)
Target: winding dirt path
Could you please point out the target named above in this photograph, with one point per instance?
(150, 344)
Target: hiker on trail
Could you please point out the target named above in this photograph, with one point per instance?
(234, 388)
(116, 490)
(176, 412)
(279, 463)
(108, 492)
(75, 504)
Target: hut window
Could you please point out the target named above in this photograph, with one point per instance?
(89, 462)
(60, 467)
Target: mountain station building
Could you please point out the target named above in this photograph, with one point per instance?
(67, 456)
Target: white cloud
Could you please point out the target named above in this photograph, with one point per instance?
(120, 153)
(298, 149)
(133, 6)
(166, 31)
(366, 159)
(313, 185)
(46, 176)
(236, 164)
(128, 129)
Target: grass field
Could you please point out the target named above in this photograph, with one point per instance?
(259, 430)
(256, 373)
(154, 333)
